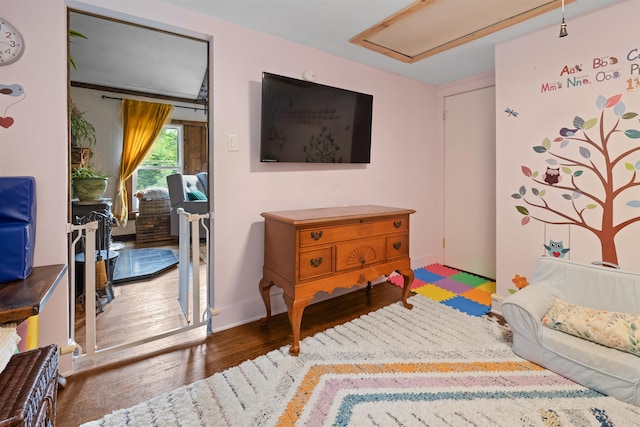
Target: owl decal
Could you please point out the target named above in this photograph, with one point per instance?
(552, 176)
(556, 249)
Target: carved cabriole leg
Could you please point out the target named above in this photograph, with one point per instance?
(408, 281)
(265, 287)
(295, 308)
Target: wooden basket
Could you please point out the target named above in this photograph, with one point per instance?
(154, 207)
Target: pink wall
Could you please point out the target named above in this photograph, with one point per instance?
(403, 172)
(550, 81)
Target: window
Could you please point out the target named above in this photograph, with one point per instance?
(164, 159)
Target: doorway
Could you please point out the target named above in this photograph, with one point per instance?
(470, 182)
(112, 60)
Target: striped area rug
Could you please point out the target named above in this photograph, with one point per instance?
(432, 365)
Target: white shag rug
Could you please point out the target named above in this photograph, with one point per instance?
(429, 366)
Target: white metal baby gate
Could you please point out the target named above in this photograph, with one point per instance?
(188, 279)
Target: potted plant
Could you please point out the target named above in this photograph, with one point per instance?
(83, 137)
(88, 183)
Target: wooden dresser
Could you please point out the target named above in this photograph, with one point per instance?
(312, 250)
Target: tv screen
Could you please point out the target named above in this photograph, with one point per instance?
(306, 122)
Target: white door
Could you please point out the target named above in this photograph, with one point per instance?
(469, 182)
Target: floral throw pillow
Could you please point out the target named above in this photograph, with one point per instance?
(609, 328)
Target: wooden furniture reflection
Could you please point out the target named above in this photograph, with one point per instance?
(312, 250)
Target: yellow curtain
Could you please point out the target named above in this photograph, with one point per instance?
(142, 123)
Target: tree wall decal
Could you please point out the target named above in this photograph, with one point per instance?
(595, 157)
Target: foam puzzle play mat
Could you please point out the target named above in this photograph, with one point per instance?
(458, 289)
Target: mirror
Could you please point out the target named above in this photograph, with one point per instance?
(111, 60)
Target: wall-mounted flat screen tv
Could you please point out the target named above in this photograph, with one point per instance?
(306, 122)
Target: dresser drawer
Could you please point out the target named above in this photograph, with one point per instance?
(397, 246)
(315, 263)
(359, 253)
(363, 228)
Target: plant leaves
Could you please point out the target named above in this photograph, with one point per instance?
(638, 164)
(535, 191)
(629, 166)
(535, 174)
(539, 149)
(567, 196)
(516, 196)
(564, 143)
(525, 170)
(522, 190)
(589, 124)
(601, 102)
(584, 152)
(546, 143)
(558, 139)
(577, 194)
(542, 193)
(525, 220)
(577, 173)
(578, 122)
(633, 203)
(566, 170)
(619, 109)
(591, 206)
(613, 100)
(627, 116)
(632, 133)
(522, 210)
(552, 162)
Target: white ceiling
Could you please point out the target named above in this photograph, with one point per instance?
(329, 24)
(133, 58)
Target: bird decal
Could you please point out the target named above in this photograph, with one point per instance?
(11, 90)
(9, 97)
(556, 249)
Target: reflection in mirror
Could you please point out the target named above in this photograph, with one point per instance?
(117, 69)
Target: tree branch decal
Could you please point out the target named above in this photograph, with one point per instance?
(579, 177)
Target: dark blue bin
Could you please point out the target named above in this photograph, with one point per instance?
(17, 227)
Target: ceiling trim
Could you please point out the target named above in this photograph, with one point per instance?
(136, 93)
(399, 25)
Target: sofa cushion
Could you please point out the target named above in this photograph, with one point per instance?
(609, 328)
(196, 195)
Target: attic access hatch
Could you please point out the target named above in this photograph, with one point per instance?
(428, 27)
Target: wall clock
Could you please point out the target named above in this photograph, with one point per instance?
(11, 43)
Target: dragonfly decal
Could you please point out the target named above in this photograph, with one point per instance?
(511, 112)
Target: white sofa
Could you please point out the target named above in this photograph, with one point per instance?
(607, 370)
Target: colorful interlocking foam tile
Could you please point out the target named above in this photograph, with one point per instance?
(458, 289)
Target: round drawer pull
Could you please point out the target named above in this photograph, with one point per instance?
(316, 235)
(315, 262)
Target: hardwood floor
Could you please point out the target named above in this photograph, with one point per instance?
(95, 392)
(140, 309)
